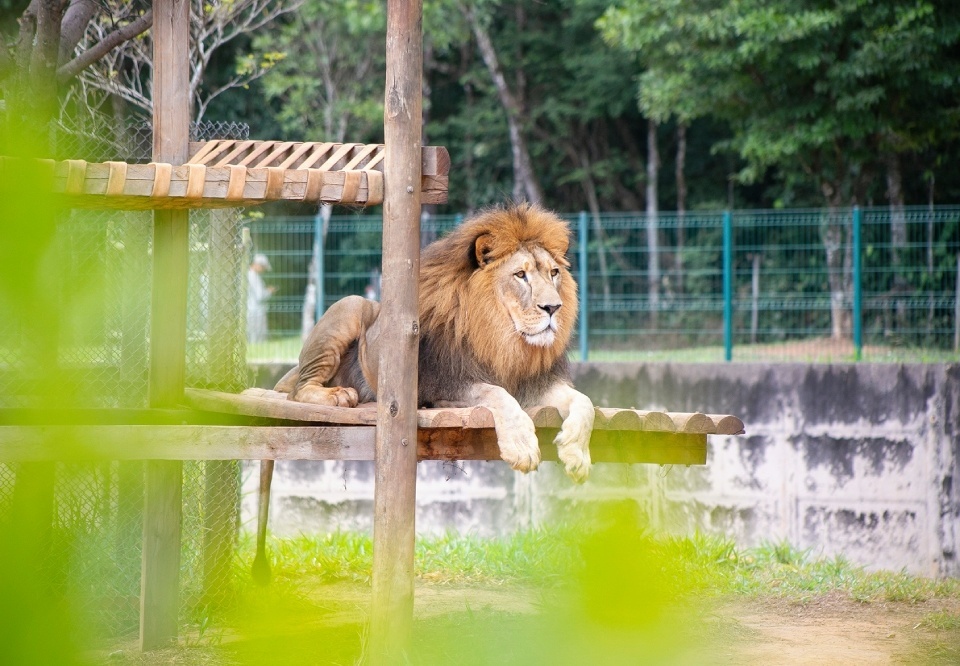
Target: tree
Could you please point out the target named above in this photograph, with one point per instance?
(815, 92)
(48, 49)
(214, 24)
(525, 184)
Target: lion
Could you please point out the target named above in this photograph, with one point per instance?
(497, 309)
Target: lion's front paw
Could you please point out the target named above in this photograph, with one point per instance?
(573, 447)
(330, 396)
(519, 446)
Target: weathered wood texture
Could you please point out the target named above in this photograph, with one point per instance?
(159, 603)
(160, 568)
(395, 475)
(228, 173)
(271, 404)
(292, 442)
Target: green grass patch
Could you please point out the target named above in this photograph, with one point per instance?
(547, 558)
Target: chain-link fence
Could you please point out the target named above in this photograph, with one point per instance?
(801, 285)
(99, 273)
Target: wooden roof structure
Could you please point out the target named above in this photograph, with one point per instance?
(229, 173)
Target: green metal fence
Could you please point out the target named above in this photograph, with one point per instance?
(787, 285)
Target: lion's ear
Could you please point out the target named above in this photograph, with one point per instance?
(483, 249)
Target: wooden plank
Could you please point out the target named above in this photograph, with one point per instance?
(276, 407)
(20, 444)
(160, 572)
(395, 485)
(184, 442)
(159, 602)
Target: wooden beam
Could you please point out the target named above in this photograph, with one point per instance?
(184, 442)
(391, 617)
(159, 601)
(286, 442)
(160, 569)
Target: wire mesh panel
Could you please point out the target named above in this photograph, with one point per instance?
(910, 265)
(92, 352)
(654, 288)
(792, 285)
(348, 265)
(653, 284)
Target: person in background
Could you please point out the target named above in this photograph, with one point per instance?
(258, 293)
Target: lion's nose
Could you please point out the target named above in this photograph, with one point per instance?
(550, 308)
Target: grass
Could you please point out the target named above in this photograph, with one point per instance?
(545, 558)
(613, 594)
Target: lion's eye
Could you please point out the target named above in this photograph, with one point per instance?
(520, 275)
(555, 272)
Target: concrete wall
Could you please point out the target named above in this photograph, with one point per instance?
(859, 460)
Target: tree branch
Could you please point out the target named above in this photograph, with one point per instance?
(74, 24)
(108, 43)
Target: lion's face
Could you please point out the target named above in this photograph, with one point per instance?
(497, 288)
(528, 286)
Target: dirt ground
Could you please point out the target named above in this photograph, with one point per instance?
(837, 630)
(829, 629)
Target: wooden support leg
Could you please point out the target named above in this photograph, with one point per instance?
(161, 554)
(394, 500)
(261, 567)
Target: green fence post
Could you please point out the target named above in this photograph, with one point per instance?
(727, 286)
(582, 278)
(857, 287)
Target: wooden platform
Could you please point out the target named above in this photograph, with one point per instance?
(228, 173)
(216, 426)
(466, 433)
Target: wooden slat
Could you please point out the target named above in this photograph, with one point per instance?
(239, 149)
(728, 425)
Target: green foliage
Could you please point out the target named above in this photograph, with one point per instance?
(815, 91)
(327, 71)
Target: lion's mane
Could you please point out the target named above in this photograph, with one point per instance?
(466, 332)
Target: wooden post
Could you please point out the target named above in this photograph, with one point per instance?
(159, 582)
(396, 441)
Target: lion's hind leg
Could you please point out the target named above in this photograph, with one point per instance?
(344, 324)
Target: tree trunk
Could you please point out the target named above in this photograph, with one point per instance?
(681, 201)
(590, 189)
(930, 210)
(653, 249)
(525, 185)
(898, 234)
(831, 235)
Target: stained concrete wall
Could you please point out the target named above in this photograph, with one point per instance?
(859, 460)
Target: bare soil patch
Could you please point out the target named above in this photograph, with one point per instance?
(472, 624)
(834, 629)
